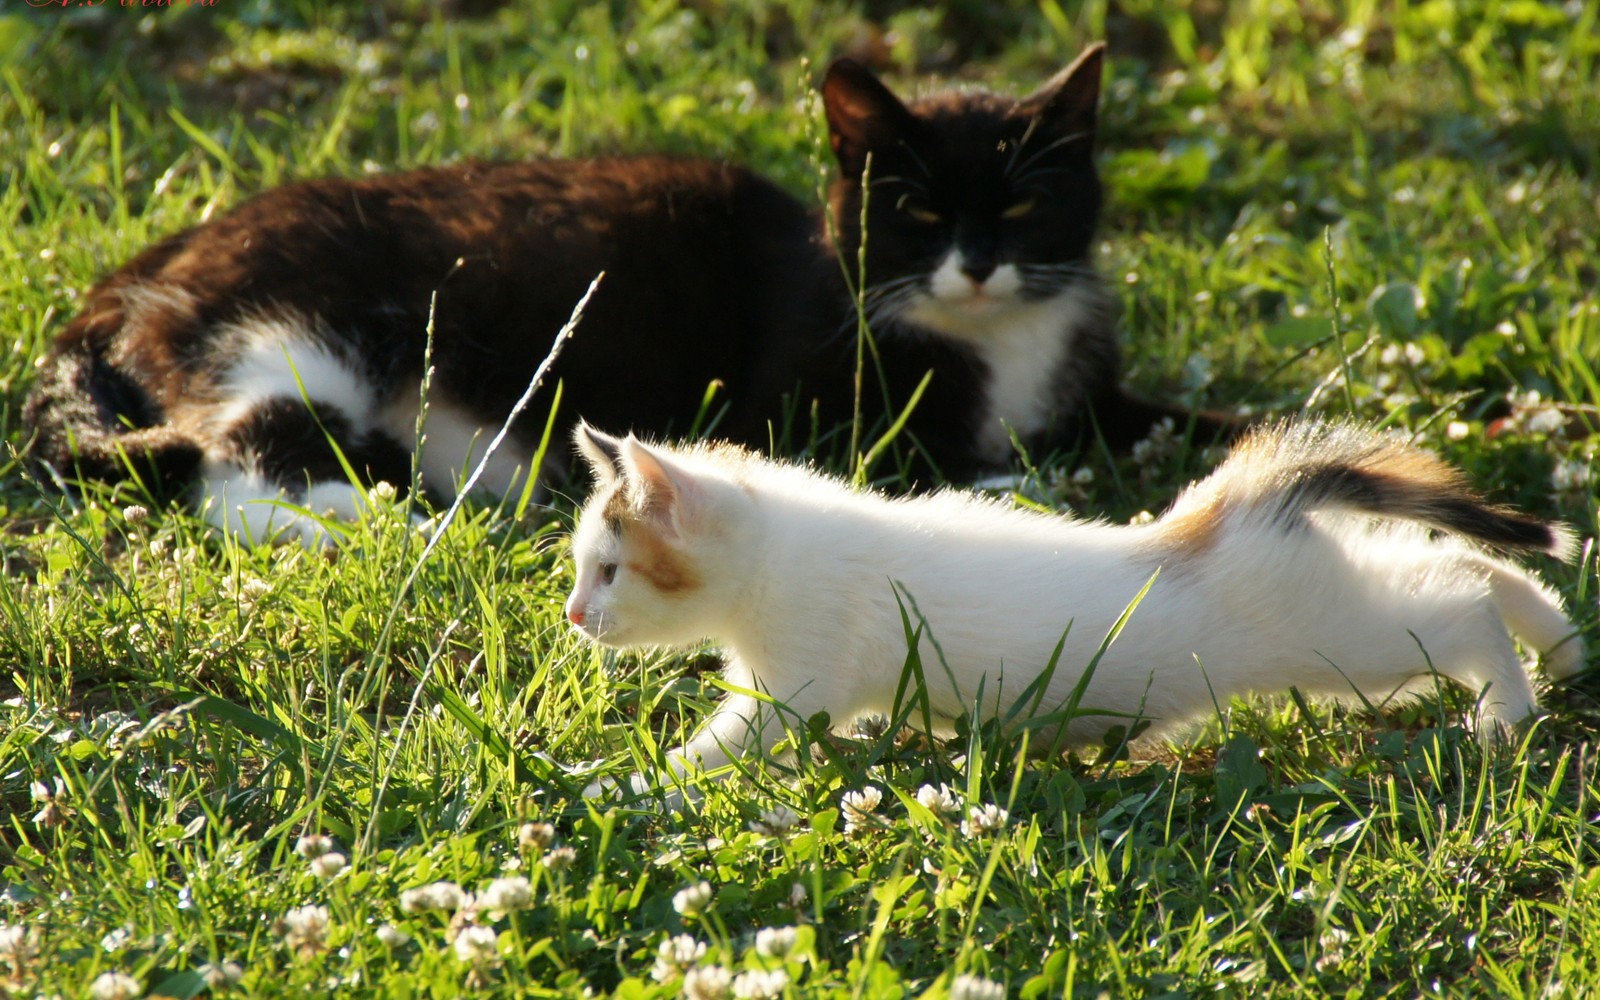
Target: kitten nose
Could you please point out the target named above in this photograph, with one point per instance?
(575, 615)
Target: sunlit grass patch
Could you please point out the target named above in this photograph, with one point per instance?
(271, 772)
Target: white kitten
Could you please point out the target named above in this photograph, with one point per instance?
(1322, 556)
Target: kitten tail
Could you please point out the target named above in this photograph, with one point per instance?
(1287, 470)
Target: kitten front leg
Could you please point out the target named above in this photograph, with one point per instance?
(741, 724)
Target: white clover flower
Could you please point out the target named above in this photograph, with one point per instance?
(445, 896)
(1083, 476)
(391, 936)
(328, 865)
(1546, 420)
(775, 942)
(860, 808)
(116, 939)
(1197, 372)
(984, 819)
(54, 811)
(535, 836)
(675, 955)
(970, 987)
(940, 800)
(305, 929)
(115, 986)
(775, 822)
(135, 514)
(1457, 430)
(219, 977)
(246, 590)
(692, 901)
(505, 895)
(760, 984)
(560, 859)
(477, 946)
(1157, 445)
(1570, 476)
(1332, 941)
(18, 945)
(1410, 353)
(708, 982)
(313, 845)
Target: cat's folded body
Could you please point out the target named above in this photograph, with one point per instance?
(1346, 564)
(193, 361)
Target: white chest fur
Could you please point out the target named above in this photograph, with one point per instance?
(1023, 343)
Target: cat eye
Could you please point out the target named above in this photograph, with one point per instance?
(608, 573)
(918, 211)
(1018, 209)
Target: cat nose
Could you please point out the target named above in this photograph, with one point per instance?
(978, 270)
(575, 614)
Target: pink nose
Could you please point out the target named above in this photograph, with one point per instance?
(575, 614)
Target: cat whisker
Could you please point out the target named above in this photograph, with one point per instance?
(881, 305)
(1049, 278)
(916, 186)
(918, 160)
(1015, 170)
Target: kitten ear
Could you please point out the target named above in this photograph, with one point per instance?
(862, 114)
(666, 492)
(1068, 100)
(602, 451)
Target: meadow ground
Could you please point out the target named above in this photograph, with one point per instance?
(1329, 205)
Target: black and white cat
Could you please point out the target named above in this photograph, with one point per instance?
(193, 362)
(1347, 564)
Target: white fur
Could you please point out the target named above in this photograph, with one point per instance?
(279, 356)
(453, 445)
(800, 577)
(244, 505)
(950, 283)
(1023, 342)
(276, 356)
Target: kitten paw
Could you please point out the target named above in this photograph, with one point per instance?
(1565, 660)
(637, 787)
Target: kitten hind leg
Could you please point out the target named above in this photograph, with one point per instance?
(1534, 615)
(1476, 651)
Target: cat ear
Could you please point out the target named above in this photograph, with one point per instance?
(862, 114)
(1068, 100)
(602, 451)
(666, 492)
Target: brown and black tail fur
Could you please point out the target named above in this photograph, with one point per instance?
(1289, 469)
(87, 419)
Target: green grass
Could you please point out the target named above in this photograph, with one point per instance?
(1430, 167)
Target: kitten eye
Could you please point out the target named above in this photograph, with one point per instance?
(608, 573)
(917, 210)
(1018, 209)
